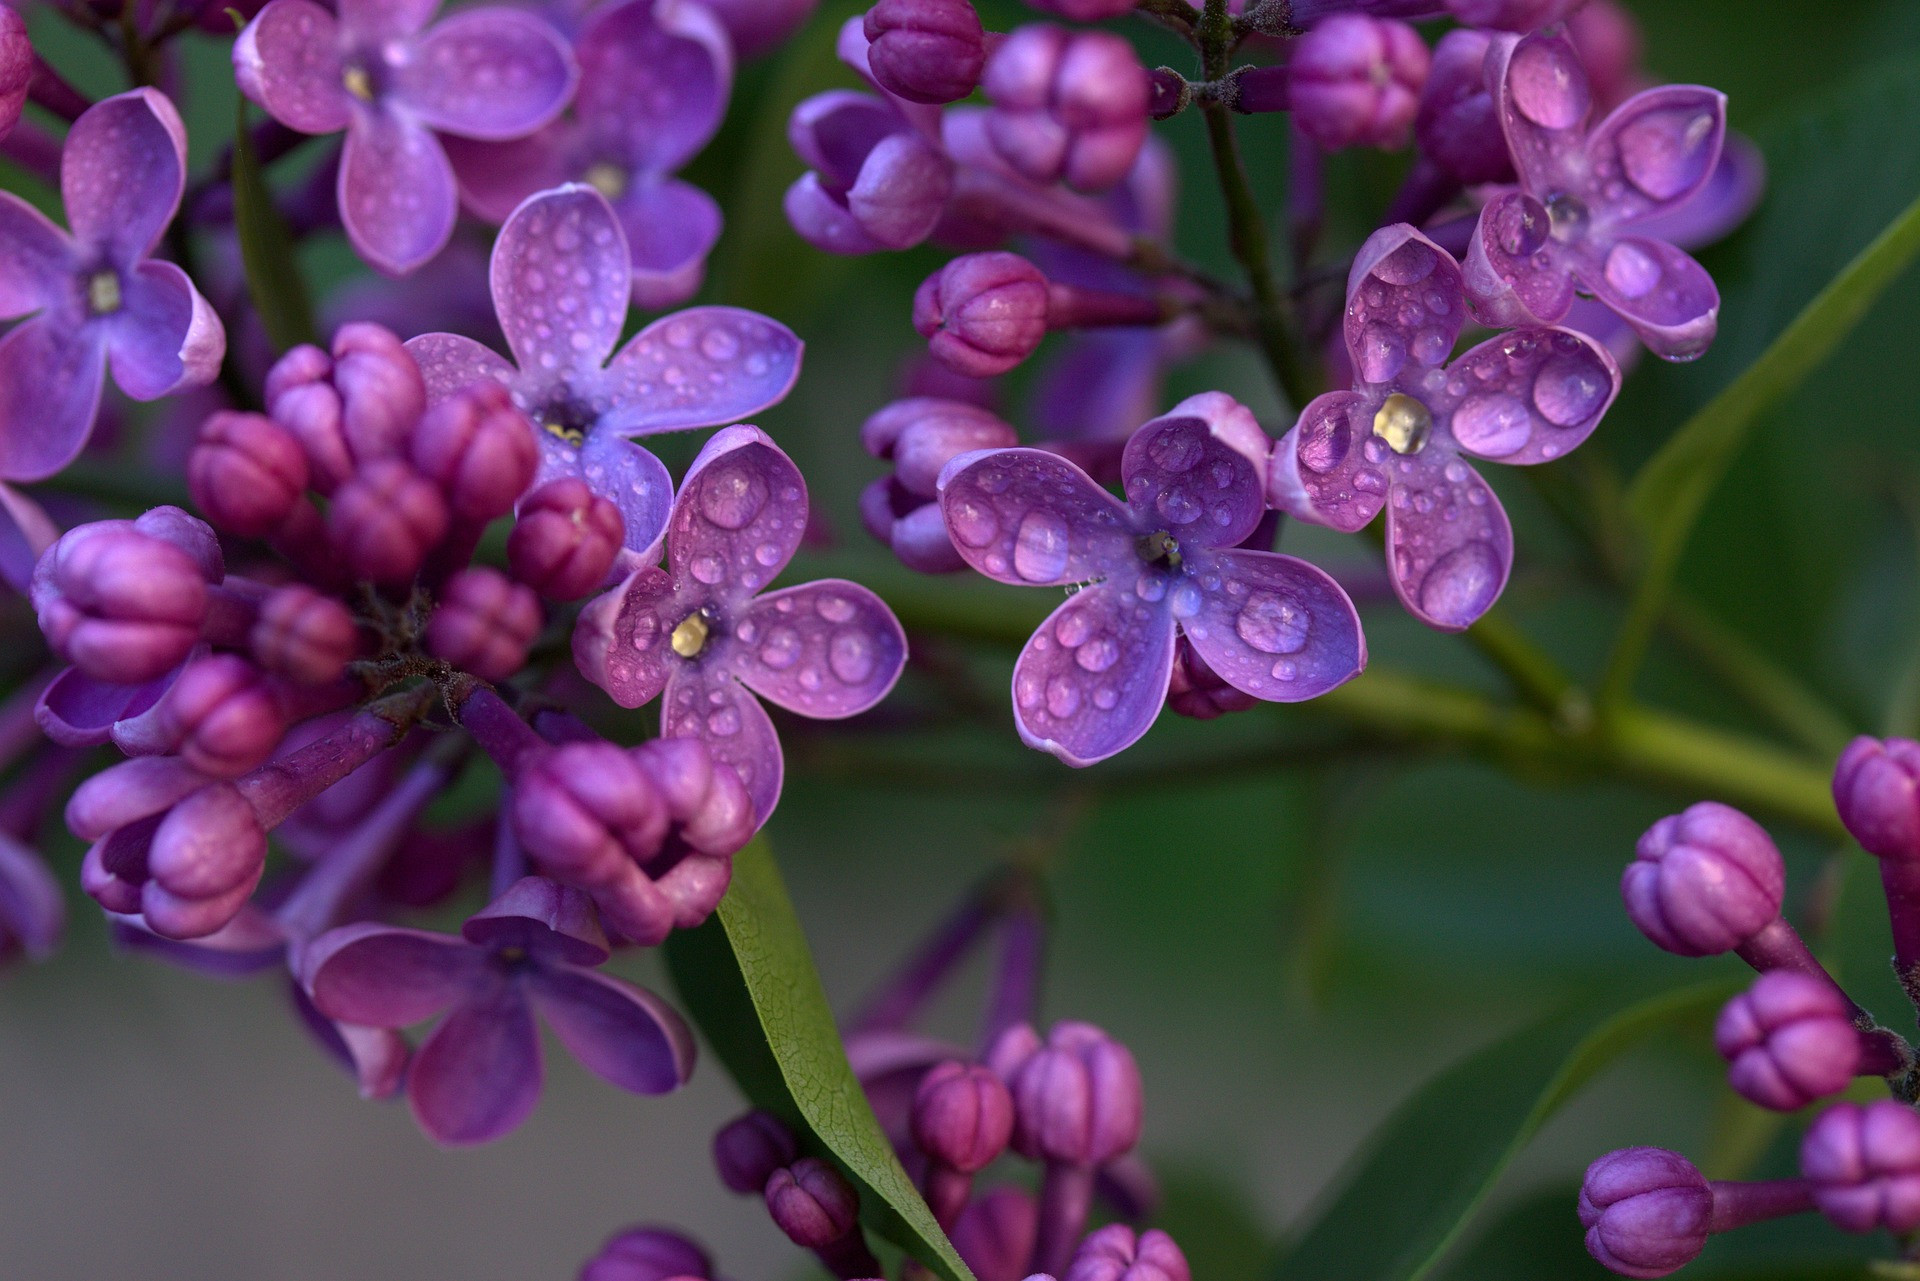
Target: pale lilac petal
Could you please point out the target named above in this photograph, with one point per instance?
(1329, 469)
(449, 362)
(1199, 472)
(823, 220)
(496, 176)
(1092, 678)
(380, 976)
(25, 531)
(122, 172)
(371, 20)
(1731, 192)
(621, 640)
(165, 335)
(826, 649)
(1668, 298)
(78, 711)
(1405, 305)
(833, 132)
(656, 74)
(1655, 151)
(739, 518)
(1449, 546)
(560, 282)
(396, 192)
(478, 1075)
(1031, 518)
(50, 377)
(1100, 385)
(1529, 395)
(705, 702)
(700, 368)
(671, 227)
(37, 259)
(1543, 99)
(31, 908)
(288, 60)
(1274, 626)
(1515, 272)
(623, 1034)
(634, 481)
(492, 72)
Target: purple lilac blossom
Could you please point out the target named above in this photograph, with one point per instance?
(1647, 1211)
(700, 631)
(1396, 439)
(647, 1254)
(920, 436)
(96, 298)
(561, 287)
(378, 70)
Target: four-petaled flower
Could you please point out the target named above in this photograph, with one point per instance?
(1395, 440)
(1583, 194)
(697, 629)
(380, 72)
(100, 299)
(560, 273)
(1092, 679)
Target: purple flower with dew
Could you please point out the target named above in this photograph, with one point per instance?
(95, 298)
(560, 285)
(393, 82)
(477, 1075)
(699, 631)
(647, 1254)
(654, 80)
(1396, 439)
(1576, 222)
(1092, 679)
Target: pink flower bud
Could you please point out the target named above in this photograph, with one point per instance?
(479, 449)
(1864, 1166)
(1646, 1211)
(1068, 106)
(1355, 81)
(962, 1115)
(565, 540)
(120, 604)
(812, 1203)
(224, 714)
(381, 392)
(748, 1150)
(303, 635)
(1076, 1096)
(1704, 881)
(926, 50)
(246, 472)
(982, 314)
(385, 520)
(485, 623)
(1788, 1041)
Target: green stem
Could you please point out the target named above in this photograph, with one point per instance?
(1757, 680)
(1531, 670)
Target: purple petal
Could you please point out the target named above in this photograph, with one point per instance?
(1275, 627)
(122, 172)
(1100, 385)
(1092, 678)
(700, 368)
(379, 976)
(449, 362)
(1668, 298)
(1405, 305)
(496, 176)
(165, 336)
(25, 532)
(370, 20)
(246, 945)
(826, 649)
(478, 1075)
(1031, 518)
(560, 283)
(637, 483)
(656, 75)
(739, 518)
(1664, 142)
(37, 259)
(823, 220)
(396, 191)
(1543, 98)
(623, 1034)
(123, 794)
(1449, 546)
(833, 132)
(671, 227)
(78, 711)
(1532, 394)
(50, 377)
(709, 704)
(552, 923)
(620, 642)
(1723, 203)
(1328, 469)
(1515, 272)
(288, 60)
(376, 1056)
(491, 72)
(31, 909)
(1199, 471)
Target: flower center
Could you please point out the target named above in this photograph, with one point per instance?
(103, 293)
(566, 420)
(607, 178)
(1568, 215)
(690, 637)
(1404, 423)
(1159, 548)
(359, 82)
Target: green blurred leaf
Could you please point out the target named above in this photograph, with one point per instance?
(748, 979)
(1218, 1230)
(1538, 1237)
(1427, 1170)
(266, 248)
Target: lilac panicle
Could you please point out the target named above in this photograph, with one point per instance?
(560, 286)
(1396, 439)
(1574, 222)
(700, 631)
(1355, 81)
(1863, 1164)
(1068, 106)
(394, 83)
(94, 297)
(1092, 679)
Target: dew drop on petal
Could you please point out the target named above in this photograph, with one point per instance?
(1569, 391)
(1631, 270)
(1098, 654)
(708, 568)
(850, 654)
(733, 499)
(782, 649)
(1462, 584)
(1040, 547)
(835, 609)
(724, 723)
(1073, 628)
(1063, 697)
(972, 523)
(1492, 423)
(1272, 624)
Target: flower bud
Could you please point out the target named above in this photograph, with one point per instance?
(207, 844)
(982, 314)
(16, 69)
(479, 449)
(1788, 1040)
(876, 183)
(1646, 1211)
(381, 392)
(1355, 80)
(585, 811)
(1068, 106)
(1076, 1096)
(122, 605)
(224, 714)
(1457, 126)
(647, 1254)
(812, 1203)
(303, 635)
(246, 472)
(926, 50)
(995, 1234)
(301, 397)
(484, 624)
(750, 1148)
(1114, 1253)
(385, 520)
(1876, 788)
(920, 435)
(705, 799)
(1196, 690)
(1863, 1164)
(962, 1115)
(566, 538)
(1704, 881)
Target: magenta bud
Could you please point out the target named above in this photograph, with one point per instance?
(812, 1203)
(303, 635)
(1115, 1253)
(1863, 1165)
(921, 435)
(962, 1115)
(122, 605)
(1068, 106)
(208, 849)
(926, 50)
(995, 1234)
(1457, 125)
(748, 1149)
(1607, 37)
(1704, 881)
(479, 449)
(301, 397)
(246, 472)
(385, 520)
(1355, 80)
(1876, 788)
(381, 392)
(484, 624)
(705, 798)
(566, 538)
(1076, 1096)
(876, 182)
(1647, 1211)
(647, 1254)
(982, 314)
(586, 811)
(1788, 1040)
(224, 714)
(1196, 690)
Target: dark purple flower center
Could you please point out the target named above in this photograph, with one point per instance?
(512, 960)
(568, 420)
(1159, 549)
(1568, 216)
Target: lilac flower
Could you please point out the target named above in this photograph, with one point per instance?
(560, 284)
(698, 631)
(1067, 105)
(1575, 223)
(1092, 679)
(654, 81)
(96, 297)
(1395, 440)
(1789, 1040)
(1647, 1211)
(1863, 1164)
(380, 72)
(477, 1075)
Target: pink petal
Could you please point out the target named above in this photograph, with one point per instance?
(657, 75)
(1405, 305)
(671, 228)
(1032, 518)
(1092, 678)
(1542, 96)
(700, 368)
(369, 20)
(634, 481)
(826, 649)
(739, 518)
(1655, 151)
(1275, 627)
(449, 362)
(1199, 472)
(37, 259)
(165, 336)
(1529, 395)
(1668, 298)
(396, 191)
(50, 378)
(122, 172)
(1329, 469)
(1515, 272)
(822, 219)
(490, 72)
(560, 284)
(288, 60)
(1449, 546)
(379, 976)
(478, 1075)
(621, 640)
(496, 176)
(707, 703)
(623, 1034)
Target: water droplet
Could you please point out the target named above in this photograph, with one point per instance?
(1569, 391)
(1285, 670)
(1150, 587)
(973, 524)
(850, 654)
(1272, 623)
(1186, 600)
(767, 554)
(1462, 584)
(708, 568)
(1063, 696)
(835, 609)
(1040, 547)
(1177, 506)
(1027, 690)
(1430, 347)
(1098, 654)
(782, 649)
(1631, 270)
(724, 723)
(733, 498)
(1073, 628)
(1106, 698)
(1493, 424)
(1547, 84)
(719, 345)
(1178, 446)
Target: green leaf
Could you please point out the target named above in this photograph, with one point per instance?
(266, 248)
(1413, 1192)
(748, 979)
